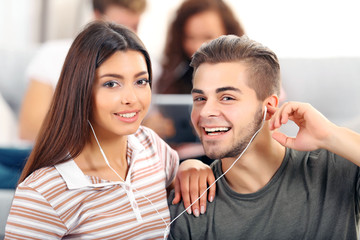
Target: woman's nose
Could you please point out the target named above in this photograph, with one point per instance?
(129, 96)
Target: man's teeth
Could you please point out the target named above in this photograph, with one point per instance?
(126, 115)
(214, 131)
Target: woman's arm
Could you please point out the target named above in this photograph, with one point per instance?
(31, 216)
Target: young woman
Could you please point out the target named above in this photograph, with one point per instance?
(94, 172)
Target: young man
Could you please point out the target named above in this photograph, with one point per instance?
(305, 187)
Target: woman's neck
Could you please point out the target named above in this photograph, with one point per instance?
(92, 162)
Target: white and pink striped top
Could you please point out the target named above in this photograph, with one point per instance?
(60, 202)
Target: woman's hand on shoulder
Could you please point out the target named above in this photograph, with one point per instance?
(192, 180)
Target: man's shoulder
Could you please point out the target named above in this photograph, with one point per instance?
(185, 225)
(215, 165)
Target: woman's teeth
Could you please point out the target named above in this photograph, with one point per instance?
(126, 115)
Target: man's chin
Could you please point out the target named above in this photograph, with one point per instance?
(213, 154)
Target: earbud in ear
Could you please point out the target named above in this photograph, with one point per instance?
(265, 112)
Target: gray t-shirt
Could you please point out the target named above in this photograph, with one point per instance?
(313, 195)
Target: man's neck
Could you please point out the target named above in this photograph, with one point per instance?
(257, 165)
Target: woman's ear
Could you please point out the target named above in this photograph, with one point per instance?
(271, 103)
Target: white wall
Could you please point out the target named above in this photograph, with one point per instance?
(17, 21)
(308, 28)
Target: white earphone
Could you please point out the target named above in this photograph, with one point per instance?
(265, 112)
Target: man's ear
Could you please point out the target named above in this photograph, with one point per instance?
(271, 102)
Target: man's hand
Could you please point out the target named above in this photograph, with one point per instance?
(314, 129)
(191, 182)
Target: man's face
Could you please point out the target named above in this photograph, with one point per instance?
(201, 27)
(226, 112)
(123, 16)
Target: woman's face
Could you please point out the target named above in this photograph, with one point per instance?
(200, 28)
(121, 94)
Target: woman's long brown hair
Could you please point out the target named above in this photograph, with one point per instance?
(65, 130)
(174, 53)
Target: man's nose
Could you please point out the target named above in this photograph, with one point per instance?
(210, 109)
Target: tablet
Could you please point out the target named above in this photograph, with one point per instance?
(178, 108)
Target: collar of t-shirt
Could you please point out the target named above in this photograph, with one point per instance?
(75, 178)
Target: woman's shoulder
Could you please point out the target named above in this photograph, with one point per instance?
(145, 130)
(146, 133)
(44, 178)
(149, 137)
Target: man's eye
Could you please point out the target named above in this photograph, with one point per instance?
(198, 99)
(142, 82)
(227, 98)
(111, 84)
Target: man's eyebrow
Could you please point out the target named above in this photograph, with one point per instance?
(195, 90)
(114, 75)
(223, 89)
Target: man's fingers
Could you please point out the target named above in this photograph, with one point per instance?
(283, 139)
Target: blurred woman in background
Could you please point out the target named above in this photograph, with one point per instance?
(195, 22)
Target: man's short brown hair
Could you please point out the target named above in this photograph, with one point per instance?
(262, 64)
(136, 6)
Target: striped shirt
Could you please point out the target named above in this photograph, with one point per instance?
(60, 202)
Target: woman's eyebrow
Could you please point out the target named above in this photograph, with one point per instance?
(115, 75)
(140, 73)
(111, 75)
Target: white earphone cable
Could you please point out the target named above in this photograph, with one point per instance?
(167, 230)
(107, 162)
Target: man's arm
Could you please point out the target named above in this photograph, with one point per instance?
(315, 131)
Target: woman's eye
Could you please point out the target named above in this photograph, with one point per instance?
(142, 82)
(110, 84)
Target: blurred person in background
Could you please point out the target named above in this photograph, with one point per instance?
(44, 70)
(195, 22)
(8, 133)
